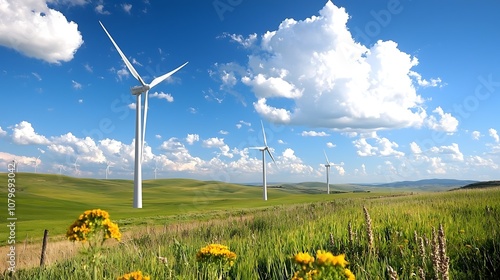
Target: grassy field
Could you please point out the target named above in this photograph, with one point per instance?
(265, 235)
(52, 201)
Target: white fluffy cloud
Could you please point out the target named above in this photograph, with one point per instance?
(476, 135)
(2, 132)
(493, 133)
(191, 138)
(314, 133)
(330, 80)
(380, 146)
(161, 95)
(35, 30)
(24, 134)
(446, 123)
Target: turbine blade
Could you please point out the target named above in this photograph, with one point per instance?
(124, 58)
(327, 162)
(144, 120)
(271, 155)
(160, 79)
(257, 148)
(263, 133)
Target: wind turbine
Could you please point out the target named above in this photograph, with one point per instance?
(36, 162)
(108, 165)
(263, 150)
(61, 168)
(76, 166)
(327, 165)
(156, 168)
(139, 132)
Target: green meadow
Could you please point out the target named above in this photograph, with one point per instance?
(396, 236)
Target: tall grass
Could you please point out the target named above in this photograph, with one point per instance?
(401, 242)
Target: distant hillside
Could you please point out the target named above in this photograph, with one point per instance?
(428, 184)
(480, 185)
(319, 187)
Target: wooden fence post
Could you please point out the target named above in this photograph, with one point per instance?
(44, 247)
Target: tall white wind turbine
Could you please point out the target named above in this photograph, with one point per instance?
(328, 165)
(263, 150)
(140, 128)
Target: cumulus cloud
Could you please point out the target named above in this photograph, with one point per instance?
(100, 10)
(327, 79)
(245, 42)
(493, 133)
(24, 134)
(475, 135)
(330, 145)
(446, 122)
(161, 95)
(291, 163)
(314, 133)
(213, 142)
(2, 132)
(37, 31)
(76, 85)
(243, 123)
(379, 146)
(191, 138)
(127, 8)
(86, 148)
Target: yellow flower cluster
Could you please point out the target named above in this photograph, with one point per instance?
(136, 275)
(324, 266)
(92, 222)
(215, 253)
(327, 258)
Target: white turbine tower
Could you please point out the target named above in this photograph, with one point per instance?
(328, 165)
(76, 166)
(263, 150)
(108, 165)
(139, 131)
(156, 168)
(36, 162)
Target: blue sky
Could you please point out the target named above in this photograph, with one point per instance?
(394, 90)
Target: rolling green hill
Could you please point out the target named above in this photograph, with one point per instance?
(53, 202)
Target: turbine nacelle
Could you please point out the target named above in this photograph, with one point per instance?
(139, 89)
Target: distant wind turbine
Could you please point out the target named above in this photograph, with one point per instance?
(263, 150)
(108, 165)
(76, 166)
(61, 168)
(36, 162)
(328, 165)
(156, 168)
(139, 132)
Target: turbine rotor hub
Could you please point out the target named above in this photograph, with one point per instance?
(139, 89)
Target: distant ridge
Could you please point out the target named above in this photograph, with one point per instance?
(480, 185)
(425, 183)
